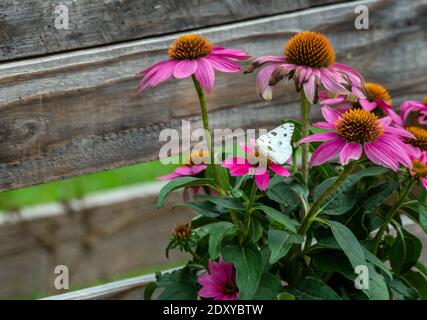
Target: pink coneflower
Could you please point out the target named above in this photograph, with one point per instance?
(192, 54)
(220, 282)
(420, 138)
(371, 97)
(309, 59)
(411, 106)
(357, 130)
(193, 167)
(419, 166)
(239, 166)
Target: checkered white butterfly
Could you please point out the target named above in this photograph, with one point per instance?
(276, 144)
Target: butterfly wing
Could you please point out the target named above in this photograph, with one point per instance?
(276, 144)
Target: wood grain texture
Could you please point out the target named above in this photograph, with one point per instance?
(27, 28)
(76, 113)
(98, 237)
(133, 289)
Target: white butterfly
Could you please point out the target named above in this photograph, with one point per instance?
(276, 144)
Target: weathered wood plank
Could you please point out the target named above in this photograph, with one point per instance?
(76, 113)
(28, 28)
(133, 289)
(97, 237)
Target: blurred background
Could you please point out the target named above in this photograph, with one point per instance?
(78, 143)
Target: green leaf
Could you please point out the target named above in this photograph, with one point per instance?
(422, 219)
(377, 286)
(225, 202)
(312, 288)
(348, 243)
(379, 194)
(376, 262)
(279, 217)
(205, 208)
(256, 230)
(282, 193)
(269, 288)
(343, 199)
(400, 291)
(217, 231)
(179, 284)
(418, 281)
(178, 183)
(285, 296)
(248, 263)
(279, 242)
(404, 252)
(149, 290)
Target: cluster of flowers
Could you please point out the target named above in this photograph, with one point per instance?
(359, 119)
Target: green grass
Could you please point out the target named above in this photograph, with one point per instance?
(77, 187)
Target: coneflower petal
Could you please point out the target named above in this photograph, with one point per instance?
(205, 74)
(327, 151)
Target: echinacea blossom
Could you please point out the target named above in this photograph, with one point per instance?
(194, 166)
(358, 130)
(419, 166)
(412, 106)
(220, 282)
(309, 59)
(372, 97)
(252, 164)
(420, 138)
(192, 54)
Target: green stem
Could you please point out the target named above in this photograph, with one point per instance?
(195, 256)
(392, 212)
(305, 120)
(312, 213)
(205, 120)
(249, 209)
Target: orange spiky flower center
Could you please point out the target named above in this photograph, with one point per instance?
(425, 100)
(311, 49)
(419, 169)
(420, 140)
(198, 157)
(376, 91)
(359, 125)
(189, 46)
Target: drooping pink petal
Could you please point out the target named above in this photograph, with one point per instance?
(327, 151)
(354, 76)
(310, 88)
(158, 75)
(375, 153)
(324, 136)
(424, 182)
(196, 169)
(184, 171)
(249, 149)
(237, 166)
(327, 80)
(367, 105)
(263, 80)
(223, 64)
(262, 180)
(230, 53)
(411, 106)
(330, 115)
(324, 125)
(399, 132)
(185, 68)
(351, 151)
(205, 74)
(170, 176)
(280, 170)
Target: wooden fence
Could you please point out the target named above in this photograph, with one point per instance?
(68, 100)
